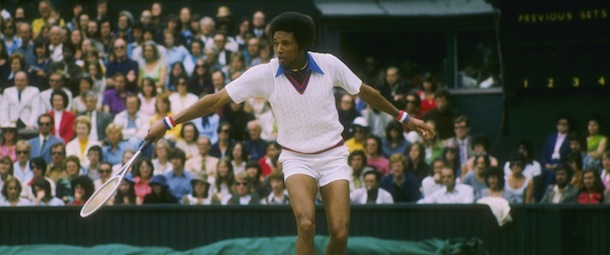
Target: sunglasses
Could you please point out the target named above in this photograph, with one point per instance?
(104, 171)
(225, 131)
(22, 152)
(44, 123)
(241, 183)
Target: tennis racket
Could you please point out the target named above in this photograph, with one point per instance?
(109, 188)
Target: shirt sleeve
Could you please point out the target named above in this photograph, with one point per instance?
(252, 83)
(344, 77)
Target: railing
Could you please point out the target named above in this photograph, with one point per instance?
(536, 229)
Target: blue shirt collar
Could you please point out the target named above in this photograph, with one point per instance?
(312, 66)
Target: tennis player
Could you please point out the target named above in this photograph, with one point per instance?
(299, 85)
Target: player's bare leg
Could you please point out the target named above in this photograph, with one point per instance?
(302, 191)
(336, 203)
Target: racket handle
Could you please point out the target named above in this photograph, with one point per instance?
(145, 144)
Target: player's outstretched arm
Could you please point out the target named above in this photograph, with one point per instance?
(373, 98)
(203, 106)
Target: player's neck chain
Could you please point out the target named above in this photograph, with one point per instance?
(302, 68)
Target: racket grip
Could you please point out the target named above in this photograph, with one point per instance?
(145, 144)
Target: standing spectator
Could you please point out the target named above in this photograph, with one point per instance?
(20, 103)
(8, 141)
(114, 98)
(452, 193)
(373, 155)
(562, 192)
(597, 142)
(442, 115)
(80, 145)
(99, 120)
(371, 193)
(160, 192)
(517, 184)
(592, 191)
(178, 179)
(201, 191)
(403, 185)
(202, 162)
(64, 120)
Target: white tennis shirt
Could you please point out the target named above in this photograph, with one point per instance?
(307, 122)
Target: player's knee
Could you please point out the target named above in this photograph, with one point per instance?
(306, 227)
(339, 233)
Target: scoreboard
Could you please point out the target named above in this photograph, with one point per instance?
(554, 45)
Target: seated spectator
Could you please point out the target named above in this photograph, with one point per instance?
(105, 170)
(279, 194)
(371, 193)
(148, 97)
(403, 185)
(162, 110)
(254, 145)
(57, 81)
(142, 173)
(10, 193)
(21, 167)
(605, 171)
(451, 156)
(115, 146)
(114, 98)
(56, 170)
(121, 65)
(64, 120)
(8, 140)
(242, 192)
(42, 190)
(81, 143)
(238, 119)
(578, 144)
(182, 98)
(153, 65)
(41, 144)
(597, 142)
(432, 183)
(222, 182)
(125, 195)
(532, 167)
(39, 69)
(65, 190)
(178, 179)
(238, 157)
(434, 147)
(360, 131)
(67, 65)
(201, 191)
(394, 141)
(374, 157)
(517, 184)
(6, 170)
(574, 160)
(94, 155)
(269, 163)
(176, 72)
(160, 192)
(562, 192)
(494, 179)
(39, 168)
(426, 92)
(347, 114)
(200, 82)
(592, 191)
(442, 115)
(85, 85)
(476, 178)
(357, 162)
(188, 143)
(135, 124)
(377, 120)
(82, 189)
(452, 193)
(99, 119)
(416, 161)
(480, 147)
(256, 176)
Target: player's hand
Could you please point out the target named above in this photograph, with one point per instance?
(156, 131)
(421, 127)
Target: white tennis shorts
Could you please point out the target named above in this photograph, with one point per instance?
(325, 167)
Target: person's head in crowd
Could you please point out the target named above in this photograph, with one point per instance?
(181, 85)
(124, 21)
(172, 23)
(58, 154)
(56, 35)
(220, 41)
(82, 18)
(517, 164)
(276, 181)
(200, 185)
(148, 88)
(177, 157)
(169, 38)
(244, 26)
(606, 161)
(398, 164)
(20, 15)
(42, 186)
(90, 55)
(412, 103)
(494, 178)
(178, 70)
(59, 100)
(44, 9)
(143, 168)
(105, 170)
(93, 29)
(137, 31)
(243, 185)
(39, 167)
(525, 147)
(11, 189)
(94, 69)
(224, 170)
(202, 69)
(72, 166)
(41, 49)
(481, 162)
(272, 150)
(114, 133)
(85, 83)
(132, 104)
(448, 176)
(196, 47)
(574, 160)
(479, 144)
(461, 126)
(189, 132)
(372, 146)
(254, 130)
(394, 131)
(23, 150)
(105, 28)
(451, 154)
(82, 127)
(392, 76)
(162, 105)
(156, 10)
(120, 82)
(207, 25)
(417, 153)
(238, 62)
(95, 155)
(303, 34)
(9, 29)
(577, 142)
(563, 124)
(146, 17)
(238, 152)
(9, 134)
(185, 17)
(258, 20)
(148, 34)
(204, 145)
(127, 155)
(437, 166)
(45, 33)
(371, 179)
(102, 8)
(90, 99)
(17, 62)
(591, 181)
(120, 48)
(161, 150)
(6, 167)
(21, 80)
(224, 131)
(346, 103)
(563, 175)
(254, 171)
(211, 55)
(76, 38)
(594, 125)
(427, 83)
(56, 81)
(218, 79)
(357, 161)
(441, 100)
(194, 25)
(24, 30)
(83, 188)
(360, 128)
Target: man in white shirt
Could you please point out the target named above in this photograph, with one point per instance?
(20, 104)
(371, 193)
(452, 193)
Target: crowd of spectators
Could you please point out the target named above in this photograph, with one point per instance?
(78, 95)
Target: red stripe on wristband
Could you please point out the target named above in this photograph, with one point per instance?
(171, 121)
